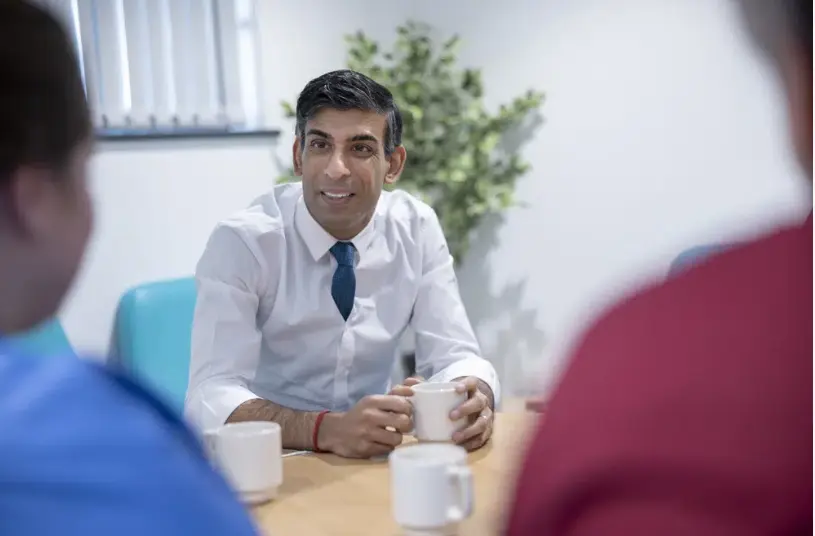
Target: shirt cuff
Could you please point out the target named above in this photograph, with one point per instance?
(212, 405)
(472, 366)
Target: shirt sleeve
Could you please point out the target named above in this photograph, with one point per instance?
(89, 452)
(225, 346)
(446, 346)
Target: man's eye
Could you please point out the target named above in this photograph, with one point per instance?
(364, 149)
(318, 144)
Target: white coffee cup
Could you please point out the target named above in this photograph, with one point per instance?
(431, 488)
(249, 455)
(432, 404)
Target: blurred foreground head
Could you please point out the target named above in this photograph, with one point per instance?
(783, 30)
(45, 133)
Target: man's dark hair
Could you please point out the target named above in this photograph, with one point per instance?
(349, 90)
(44, 114)
(771, 21)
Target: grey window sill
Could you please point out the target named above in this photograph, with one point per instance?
(136, 134)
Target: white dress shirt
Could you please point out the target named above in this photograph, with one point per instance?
(267, 327)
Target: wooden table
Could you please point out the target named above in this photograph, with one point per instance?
(325, 495)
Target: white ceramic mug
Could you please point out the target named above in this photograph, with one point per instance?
(432, 404)
(249, 456)
(431, 488)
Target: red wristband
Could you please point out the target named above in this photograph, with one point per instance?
(317, 424)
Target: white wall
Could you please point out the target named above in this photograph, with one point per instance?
(661, 131)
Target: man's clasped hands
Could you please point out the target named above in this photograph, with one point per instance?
(377, 423)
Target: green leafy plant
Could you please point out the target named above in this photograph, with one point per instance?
(456, 161)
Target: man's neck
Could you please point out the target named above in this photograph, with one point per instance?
(342, 236)
(350, 233)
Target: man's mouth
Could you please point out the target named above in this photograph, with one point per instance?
(336, 197)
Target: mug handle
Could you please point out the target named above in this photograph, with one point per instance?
(462, 480)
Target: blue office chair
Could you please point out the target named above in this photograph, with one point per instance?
(46, 340)
(152, 336)
(695, 255)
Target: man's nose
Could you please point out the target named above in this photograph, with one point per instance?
(336, 168)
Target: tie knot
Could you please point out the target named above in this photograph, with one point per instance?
(343, 252)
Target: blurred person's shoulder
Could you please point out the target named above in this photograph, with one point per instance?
(87, 450)
(55, 404)
(697, 390)
(759, 291)
(741, 320)
(712, 356)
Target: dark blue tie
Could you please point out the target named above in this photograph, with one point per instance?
(344, 284)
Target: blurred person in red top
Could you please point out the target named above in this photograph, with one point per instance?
(687, 409)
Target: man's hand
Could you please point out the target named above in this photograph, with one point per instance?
(404, 389)
(537, 405)
(363, 432)
(478, 409)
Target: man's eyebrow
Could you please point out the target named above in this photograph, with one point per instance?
(319, 133)
(364, 137)
(358, 137)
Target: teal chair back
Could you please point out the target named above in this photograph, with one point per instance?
(695, 255)
(47, 339)
(152, 336)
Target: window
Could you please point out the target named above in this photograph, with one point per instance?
(167, 65)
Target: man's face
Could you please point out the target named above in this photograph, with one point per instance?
(344, 167)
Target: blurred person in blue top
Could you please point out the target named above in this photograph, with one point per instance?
(82, 449)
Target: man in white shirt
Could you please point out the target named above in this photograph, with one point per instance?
(303, 296)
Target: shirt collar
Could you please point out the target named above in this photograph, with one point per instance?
(319, 241)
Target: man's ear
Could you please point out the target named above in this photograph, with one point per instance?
(396, 163)
(29, 200)
(297, 157)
